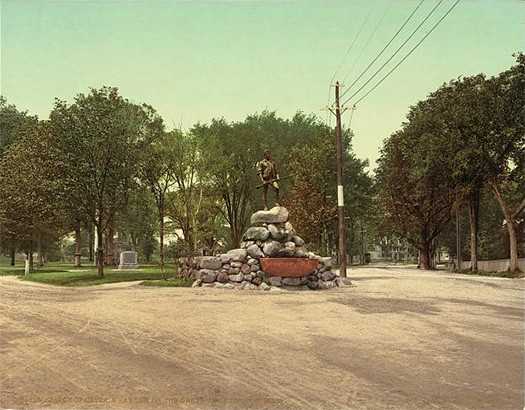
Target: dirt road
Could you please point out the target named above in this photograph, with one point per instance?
(397, 339)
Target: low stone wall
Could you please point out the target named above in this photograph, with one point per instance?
(237, 269)
(271, 235)
(499, 265)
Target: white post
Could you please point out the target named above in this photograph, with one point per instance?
(26, 270)
(96, 249)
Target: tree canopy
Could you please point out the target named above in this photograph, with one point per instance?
(106, 163)
(100, 137)
(467, 136)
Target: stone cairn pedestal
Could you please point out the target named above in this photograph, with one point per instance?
(270, 235)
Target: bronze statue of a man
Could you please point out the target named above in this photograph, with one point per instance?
(267, 170)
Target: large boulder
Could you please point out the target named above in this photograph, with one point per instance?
(275, 280)
(272, 249)
(343, 282)
(327, 261)
(289, 228)
(197, 283)
(225, 258)
(236, 278)
(208, 275)
(238, 255)
(264, 286)
(256, 234)
(288, 250)
(313, 285)
(291, 281)
(276, 233)
(328, 276)
(223, 277)
(276, 215)
(211, 262)
(300, 252)
(298, 241)
(254, 251)
(234, 271)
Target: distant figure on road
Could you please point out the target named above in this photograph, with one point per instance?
(267, 170)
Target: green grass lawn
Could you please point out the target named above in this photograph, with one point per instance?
(61, 274)
(18, 269)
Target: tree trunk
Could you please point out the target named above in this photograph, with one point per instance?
(474, 229)
(433, 251)
(237, 226)
(100, 250)
(78, 244)
(235, 238)
(161, 233)
(425, 259)
(190, 245)
(111, 243)
(30, 258)
(12, 253)
(91, 239)
(40, 260)
(513, 240)
(236, 211)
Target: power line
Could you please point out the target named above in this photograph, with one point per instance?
(411, 51)
(368, 41)
(329, 117)
(397, 51)
(385, 47)
(352, 45)
(351, 116)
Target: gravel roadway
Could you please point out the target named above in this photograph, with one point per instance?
(398, 338)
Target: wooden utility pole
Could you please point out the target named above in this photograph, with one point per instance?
(340, 196)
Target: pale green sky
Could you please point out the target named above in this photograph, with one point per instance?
(196, 60)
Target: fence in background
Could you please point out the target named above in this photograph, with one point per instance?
(500, 265)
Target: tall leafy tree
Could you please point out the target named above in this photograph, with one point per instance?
(458, 115)
(284, 137)
(470, 135)
(137, 223)
(415, 195)
(484, 118)
(230, 153)
(185, 201)
(311, 200)
(159, 162)
(101, 135)
(12, 121)
(503, 146)
(30, 190)
(232, 150)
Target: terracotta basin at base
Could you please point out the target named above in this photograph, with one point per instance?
(288, 267)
